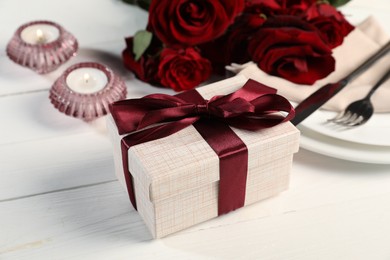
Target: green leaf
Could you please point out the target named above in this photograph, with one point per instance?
(141, 42)
(338, 3)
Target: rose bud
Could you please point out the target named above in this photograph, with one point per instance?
(145, 68)
(182, 69)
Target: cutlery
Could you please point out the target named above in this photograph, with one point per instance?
(358, 112)
(322, 95)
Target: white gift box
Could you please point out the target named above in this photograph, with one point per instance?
(176, 178)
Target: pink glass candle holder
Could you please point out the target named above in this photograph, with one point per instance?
(41, 46)
(86, 89)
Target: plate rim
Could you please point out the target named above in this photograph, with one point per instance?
(362, 150)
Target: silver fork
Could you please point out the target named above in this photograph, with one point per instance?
(358, 112)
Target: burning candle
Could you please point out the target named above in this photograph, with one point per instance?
(86, 89)
(41, 46)
(40, 33)
(87, 80)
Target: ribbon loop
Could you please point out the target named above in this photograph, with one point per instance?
(248, 108)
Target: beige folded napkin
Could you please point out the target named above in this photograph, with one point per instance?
(358, 46)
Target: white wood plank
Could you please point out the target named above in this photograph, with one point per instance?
(351, 230)
(49, 222)
(97, 223)
(31, 116)
(100, 27)
(48, 165)
(17, 79)
(90, 21)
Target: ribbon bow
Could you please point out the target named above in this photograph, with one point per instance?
(252, 107)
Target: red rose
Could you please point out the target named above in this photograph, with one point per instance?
(191, 22)
(330, 23)
(237, 43)
(296, 7)
(257, 11)
(146, 67)
(290, 48)
(216, 52)
(182, 69)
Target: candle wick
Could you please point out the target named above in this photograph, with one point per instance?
(86, 78)
(40, 36)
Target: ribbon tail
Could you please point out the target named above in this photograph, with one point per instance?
(126, 172)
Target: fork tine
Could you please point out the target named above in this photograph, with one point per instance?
(357, 121)
(361, 120)
(346, 116)
(360, 111)
(351, 119)
(337, 117)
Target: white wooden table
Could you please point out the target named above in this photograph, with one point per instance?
(59, 197)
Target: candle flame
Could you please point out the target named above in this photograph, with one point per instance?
(86, 77)
(40, 36)
(39, 33)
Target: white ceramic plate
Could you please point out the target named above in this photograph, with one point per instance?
(375, 132)
(351, 151)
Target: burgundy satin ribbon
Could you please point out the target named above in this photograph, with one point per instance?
(251, 108)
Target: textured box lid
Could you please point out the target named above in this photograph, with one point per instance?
(184, 160)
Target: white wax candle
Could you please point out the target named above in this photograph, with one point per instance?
(86, 80)
(40, 33)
